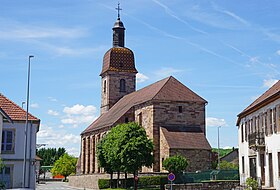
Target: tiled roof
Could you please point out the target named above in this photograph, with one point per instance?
(185, 137)
(119, 59)
(168, 89)
(15, 112)
(263, 99)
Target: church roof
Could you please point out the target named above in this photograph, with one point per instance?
(270, 95)
(185, 137)
(168, 89)
(13, 111)
(118, 59)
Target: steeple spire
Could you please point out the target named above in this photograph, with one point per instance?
(118, 9)
(118, 31)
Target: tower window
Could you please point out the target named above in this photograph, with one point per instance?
(180, 109)
(122, 85)
(104, 86)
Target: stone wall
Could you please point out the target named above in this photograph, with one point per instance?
(168, 113)
(198, 159)
(212, 185)
(86, 181)
(112, 93)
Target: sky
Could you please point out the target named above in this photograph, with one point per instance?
(228, 52)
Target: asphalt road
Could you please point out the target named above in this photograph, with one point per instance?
(55, 186)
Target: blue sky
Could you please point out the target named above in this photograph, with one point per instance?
(226, 51)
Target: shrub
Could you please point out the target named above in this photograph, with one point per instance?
(252, 184)
(103, 183)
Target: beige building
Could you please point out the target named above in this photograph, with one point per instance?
(172, 114)
(259, 139)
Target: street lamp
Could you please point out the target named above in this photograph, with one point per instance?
(219, 147)
(26, 122)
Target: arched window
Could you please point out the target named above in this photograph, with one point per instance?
(122, 85)
(104, 86)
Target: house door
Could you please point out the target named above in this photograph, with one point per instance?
(253, 170)
(262, 158)
(270, 170)
(6, 176)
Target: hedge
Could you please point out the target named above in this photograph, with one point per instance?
(145, 181)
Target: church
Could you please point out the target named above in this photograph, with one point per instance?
(172, 114)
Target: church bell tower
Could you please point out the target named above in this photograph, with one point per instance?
(118, 75)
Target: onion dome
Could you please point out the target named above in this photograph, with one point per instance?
(119, 59)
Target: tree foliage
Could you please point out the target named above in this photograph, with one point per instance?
(65, 165)
(50, 155)
(126, 148)
(224, 165)
(175, 164)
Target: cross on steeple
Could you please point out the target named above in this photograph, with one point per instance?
(118, 9)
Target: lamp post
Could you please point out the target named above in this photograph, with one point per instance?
(219, 147)
(26, 122)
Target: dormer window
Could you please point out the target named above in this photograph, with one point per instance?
(122, 85)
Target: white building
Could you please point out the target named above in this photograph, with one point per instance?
(12, 124)
(259, 139)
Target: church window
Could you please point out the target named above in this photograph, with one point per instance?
(140, 118)
(104, 86)
(122, 85)
(180, 109)
(126, 120)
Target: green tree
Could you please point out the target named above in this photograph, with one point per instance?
(175, 164)
(224, 165)
(126, 148)
(65, 165)
(50, 155)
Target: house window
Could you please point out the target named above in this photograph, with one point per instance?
(104, 86)
(243, 165)
(7, 141)
(122, 85)
(180, 109)
(126, 120)
(242, 133)
(246, 130)
(274, 120)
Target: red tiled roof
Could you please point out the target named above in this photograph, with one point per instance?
(15, 112)
(180, 137)
(262, 100)
(168, 89)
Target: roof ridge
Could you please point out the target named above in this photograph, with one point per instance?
(167, 79)
(17, 106)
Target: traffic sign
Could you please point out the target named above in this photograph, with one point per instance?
(171, 177)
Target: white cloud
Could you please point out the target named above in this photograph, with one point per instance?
(80, 109)
(52, 99)
(56, 138)
(278, 52)
(53, 113)
(254, 59)
(34, 105)
(215, 122)
(167, 71)
(17, 30)
(269, 82)
(79, 114)
(141, 77)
